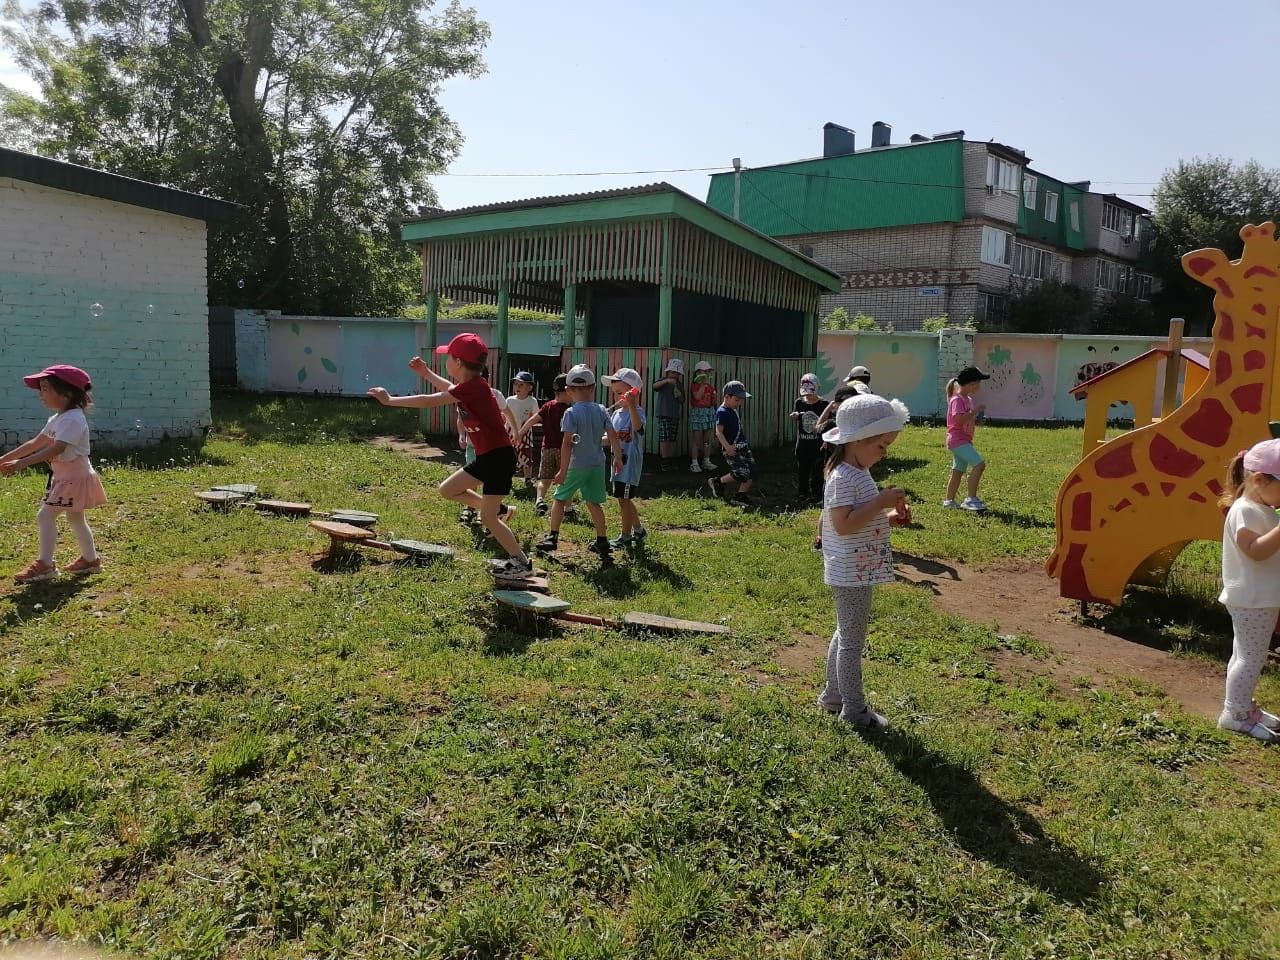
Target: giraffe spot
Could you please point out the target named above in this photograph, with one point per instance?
(1223, 287)
(1255, 360)
(1259, 269)
(1073, 481)
(1168, 488)
(1210, 424)
(1197, 497)
(1074, 583)
(1081, 510)
(1248, 398)
(1116, 464)
(1259, 309)
(1141, 489)
(1168, 458)
(1214, 487)
(1222, 367)
(1226, 330)
(1200, 265)
(1124, 504)
(1251, 331)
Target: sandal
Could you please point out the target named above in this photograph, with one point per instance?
(1248, 726)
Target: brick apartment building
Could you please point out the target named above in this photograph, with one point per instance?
(940, 225)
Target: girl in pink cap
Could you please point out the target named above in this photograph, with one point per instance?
(1251, 583)
(75, 486)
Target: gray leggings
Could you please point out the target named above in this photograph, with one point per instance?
(844, 656)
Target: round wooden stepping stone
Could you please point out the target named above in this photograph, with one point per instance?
(357, 518)
(418, 550)
(283, 506)
(220, 498)
(527, 601)
(342, 531)
(247, 489)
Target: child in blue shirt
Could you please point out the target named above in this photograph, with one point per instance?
(628, 419)
(733, 441)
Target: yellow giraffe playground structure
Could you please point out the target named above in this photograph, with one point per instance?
(1131, 505)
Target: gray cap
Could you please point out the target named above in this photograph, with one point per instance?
(580, 375)
(736, 388)
(859, 373)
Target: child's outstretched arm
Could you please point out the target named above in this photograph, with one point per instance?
(529, 424)
(32, 445)
(416, 400)
(420, 367)
(12, 465)
(848, 519)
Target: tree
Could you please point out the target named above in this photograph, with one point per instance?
(1204, 203)
(320, 117)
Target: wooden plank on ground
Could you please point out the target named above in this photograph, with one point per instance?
(342, 531)
(650, 621)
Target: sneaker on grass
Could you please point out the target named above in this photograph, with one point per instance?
(972, 503)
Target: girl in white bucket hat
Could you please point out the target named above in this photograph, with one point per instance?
(856, 517)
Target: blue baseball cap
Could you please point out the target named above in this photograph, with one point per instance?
(736, 388)
(524, 376)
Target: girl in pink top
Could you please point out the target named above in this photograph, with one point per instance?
(962, 412)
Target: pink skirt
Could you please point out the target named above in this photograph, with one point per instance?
(75, 485)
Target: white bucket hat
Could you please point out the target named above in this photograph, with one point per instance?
(867, 415)
(702, 366)
(676, 364)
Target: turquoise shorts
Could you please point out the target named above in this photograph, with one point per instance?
(965, 457)
(589, 481)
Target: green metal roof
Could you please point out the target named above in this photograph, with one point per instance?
(881, 187)
(73, 178)
(650, 202)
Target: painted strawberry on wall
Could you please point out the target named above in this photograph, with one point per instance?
(1000, 366)
(1031, 390)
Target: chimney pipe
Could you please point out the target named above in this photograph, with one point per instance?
(880, 132)
(837, 140)
(919, 138)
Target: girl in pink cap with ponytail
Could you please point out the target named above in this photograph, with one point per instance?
(75, 486)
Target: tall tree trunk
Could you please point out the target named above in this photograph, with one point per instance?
(237, 79)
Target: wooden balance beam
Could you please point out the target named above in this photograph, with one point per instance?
(341, 534)
(530, 605)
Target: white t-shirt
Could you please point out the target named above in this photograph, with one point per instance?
(1247, 582)
(861, 558)
(523, 409)
(71, 427)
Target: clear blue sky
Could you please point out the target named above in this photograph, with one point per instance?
(1114, 92)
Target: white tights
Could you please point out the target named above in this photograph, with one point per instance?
(1253, 629)
(47, 524)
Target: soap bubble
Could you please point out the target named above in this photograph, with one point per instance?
(151, 308)
(95, 308)
(577, 438)
(240, 283)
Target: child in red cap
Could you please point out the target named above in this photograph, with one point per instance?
(74, 486)
(495, 462)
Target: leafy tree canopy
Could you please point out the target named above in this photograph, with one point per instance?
(320, 117)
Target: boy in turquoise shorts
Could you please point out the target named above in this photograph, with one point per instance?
(582, 460)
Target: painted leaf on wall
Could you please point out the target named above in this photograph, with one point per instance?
(293, 325)
(328, 364)
(302, 374)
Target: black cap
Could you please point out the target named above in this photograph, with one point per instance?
(971, 375)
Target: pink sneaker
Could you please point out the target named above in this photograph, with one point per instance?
(81, 565)
(36, 572)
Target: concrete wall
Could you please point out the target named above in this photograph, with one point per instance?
(116, 289)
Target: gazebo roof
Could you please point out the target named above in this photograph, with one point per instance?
(648, 234)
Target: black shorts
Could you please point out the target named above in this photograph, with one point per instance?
(494, 470)
(625, 491)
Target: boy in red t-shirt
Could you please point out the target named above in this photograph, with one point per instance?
(495, 462)
(549, 415)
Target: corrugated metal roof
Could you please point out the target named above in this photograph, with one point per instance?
(550, 201)
(74, 178)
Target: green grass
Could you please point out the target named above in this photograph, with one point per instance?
(221, 748)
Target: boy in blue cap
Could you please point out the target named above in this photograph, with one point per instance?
(733, 441)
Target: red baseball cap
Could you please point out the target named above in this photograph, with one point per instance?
(68, 374)
(466, 347)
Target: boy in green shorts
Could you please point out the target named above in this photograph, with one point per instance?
(582, 460)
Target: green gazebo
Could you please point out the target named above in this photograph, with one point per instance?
(650, 272)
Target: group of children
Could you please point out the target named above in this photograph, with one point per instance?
(855, 520)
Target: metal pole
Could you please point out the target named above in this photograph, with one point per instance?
(737, 187)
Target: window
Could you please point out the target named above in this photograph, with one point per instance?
(1002, 176)
(1075, 215)
(1144, 287)
(1106, 275)
(1051, 206)
(1034, 263)
(1029, 191)
(992, 308)
(997, 247)
(1124, 279)
(1119, 220)
(1021, 260)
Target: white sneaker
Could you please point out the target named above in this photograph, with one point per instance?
(972, 503)
(707, 465)
(1247, 725)
(950, 505)
(694, 467)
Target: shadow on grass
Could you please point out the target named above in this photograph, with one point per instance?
(1168, 620)
(653, 566)
(986, 826)
(1015, 519)
(35, 600)
(164, 455)
(923, 565)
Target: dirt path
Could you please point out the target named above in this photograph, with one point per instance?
(1017, 597)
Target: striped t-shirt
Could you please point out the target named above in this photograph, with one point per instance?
(862, 558)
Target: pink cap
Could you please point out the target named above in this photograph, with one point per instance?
(68, 374)
(1264, 457)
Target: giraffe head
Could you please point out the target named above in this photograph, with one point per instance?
(1254, 278)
